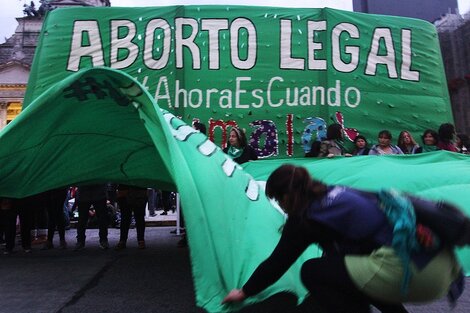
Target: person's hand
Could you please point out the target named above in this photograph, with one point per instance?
(330, 155)
(236, 295)
(348, 155)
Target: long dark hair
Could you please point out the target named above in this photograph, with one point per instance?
(334, 132)
(446, 132)
(433, 133)
(241, 136)
(293, 188)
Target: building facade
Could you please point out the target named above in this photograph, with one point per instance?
(429, 10)
(16, 58)
(16, 54)
(454, 36)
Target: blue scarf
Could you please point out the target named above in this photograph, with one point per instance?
(401, 215)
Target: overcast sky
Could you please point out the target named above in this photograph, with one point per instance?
(14, 8)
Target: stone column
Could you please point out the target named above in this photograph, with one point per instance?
(3, 114)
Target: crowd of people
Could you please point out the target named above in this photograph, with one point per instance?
(444, 139)
(37, 218)
(122, 205)
(359, 267)
(101, 206)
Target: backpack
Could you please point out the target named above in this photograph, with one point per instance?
(407, 213)
(448, 222)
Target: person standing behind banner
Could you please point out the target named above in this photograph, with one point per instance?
(360, 146)
(131, 199)
(239, 149)
(87, 196)
(384, 147)
(446, 137)
(152, 201)
(54, 201)
(10, 209)
(8, 214)
(430, 139)
(39, 222)
(331, 146)
(406, 143)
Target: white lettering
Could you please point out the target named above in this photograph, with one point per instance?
(270, 87)
(388, 59)
(78, 49)
(239, 91)
(406, 72)
(125, 43)
(214, 26)
(313, 27)
(179, 92)
(152, 27)
(287, 61)
(334, 95)
(250, 61)
(197, 95)
(357, 97)
(163, 80)
(208, 96)
(181, 42)
(353, 52)
(258, 94)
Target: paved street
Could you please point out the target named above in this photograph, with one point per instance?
(157, 279)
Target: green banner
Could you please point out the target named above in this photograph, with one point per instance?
(281, 74)
(100, 125)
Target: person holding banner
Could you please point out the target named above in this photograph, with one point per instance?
(406, 143)
(331, 146)
(430, 139)
(384, 147)
(87, 196)
(131, 199)
(239, 149)
(446, 137)
(360, 146)
(359, 266)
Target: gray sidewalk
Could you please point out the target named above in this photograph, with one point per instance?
(157, 279)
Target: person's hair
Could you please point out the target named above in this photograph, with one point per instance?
(385, 133)
(401, 139)
(446, 132)
(433, 133)
(334, 131)
(356, 149)
(240, 136)
(360, 137)
(200, 127)
(297, 185)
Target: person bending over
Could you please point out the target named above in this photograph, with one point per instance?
(359, 267)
